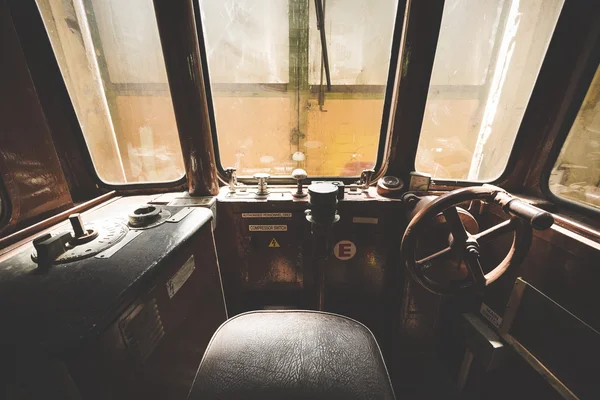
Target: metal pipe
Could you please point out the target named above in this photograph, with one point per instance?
(181, 51)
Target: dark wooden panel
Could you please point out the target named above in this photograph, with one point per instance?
(54, 98)
(30, 168)
(563, 344)
(560, 263)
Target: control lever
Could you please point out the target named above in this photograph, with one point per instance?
(48, 248)
(262, 179)
(366, 177)
(536, 217)
(231, 175)
(82, 235)
(299, 175)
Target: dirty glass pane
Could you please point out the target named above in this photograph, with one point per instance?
(488, 56)
(272, 108)
(110, 57)
(576, 174)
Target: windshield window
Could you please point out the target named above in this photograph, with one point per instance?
(268, 77)
(110, 57)
(488, 57)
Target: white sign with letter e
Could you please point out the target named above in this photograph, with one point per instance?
(344, 250)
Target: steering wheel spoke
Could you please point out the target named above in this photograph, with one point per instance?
(459, 233)
(495, 231)
(435, 255)
(472, 260)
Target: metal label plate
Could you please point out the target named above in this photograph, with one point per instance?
(267, 215)
(365, 220)
(180, 215)
(490, 315)
(112, 250)
(268, 228)
(193, 201)
(180, 277)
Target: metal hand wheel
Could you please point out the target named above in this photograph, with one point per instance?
(464, 247)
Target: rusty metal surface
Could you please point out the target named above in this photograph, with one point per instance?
(366, 287)
(30, 168)
(178, 36)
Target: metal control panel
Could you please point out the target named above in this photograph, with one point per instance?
(113, 294)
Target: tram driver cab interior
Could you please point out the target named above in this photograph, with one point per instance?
(299, 199)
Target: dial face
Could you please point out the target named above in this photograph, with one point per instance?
(109, 234)
(419, 183)
(392, 182)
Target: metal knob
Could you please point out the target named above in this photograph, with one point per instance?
(262, 179)
(231, 175)
(299, 175)
(366, 177)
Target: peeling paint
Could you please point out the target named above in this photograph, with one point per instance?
(406, 61)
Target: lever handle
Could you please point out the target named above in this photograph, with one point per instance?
(366, 177)
(231, 178)
(48, 248)
(77, 225)
(536, 217)
(299, 175)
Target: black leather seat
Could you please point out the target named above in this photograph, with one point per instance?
(292, 355)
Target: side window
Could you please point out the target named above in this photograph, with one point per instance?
(576, 174)
(487, 60)
(110, 57)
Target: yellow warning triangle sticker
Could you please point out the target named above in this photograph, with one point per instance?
(274, 243)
